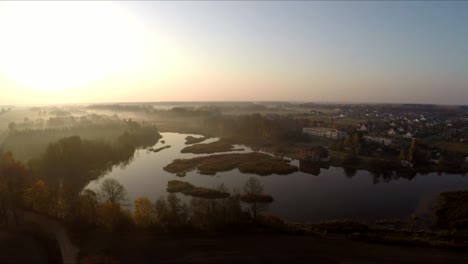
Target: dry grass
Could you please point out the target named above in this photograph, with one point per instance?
(221, 145)
(186, 188)
(257, 163)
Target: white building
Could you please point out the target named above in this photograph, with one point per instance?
(363, 128)
(391, 132)
(408, 135)
(379, 140)
(324, 132)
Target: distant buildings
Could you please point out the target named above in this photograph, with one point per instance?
(324, 132)
(379, 140)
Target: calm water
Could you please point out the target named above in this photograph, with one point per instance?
(299, 196)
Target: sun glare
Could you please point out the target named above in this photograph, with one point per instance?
(56, 46)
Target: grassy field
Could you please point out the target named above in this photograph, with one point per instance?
(460, 147)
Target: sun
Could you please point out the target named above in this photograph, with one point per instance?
(50, 46)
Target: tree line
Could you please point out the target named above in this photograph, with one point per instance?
(108, 207)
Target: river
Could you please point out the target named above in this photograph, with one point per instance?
(299, 196)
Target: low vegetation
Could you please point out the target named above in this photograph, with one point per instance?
(159, 149)
(386, 235)
(186, 188)
(194, 140)
(221, 145)
(257, 163)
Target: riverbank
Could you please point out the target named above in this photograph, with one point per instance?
(257, 248)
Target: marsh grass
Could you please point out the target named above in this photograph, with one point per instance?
(194, 140)
(221, 145)
(257, 163)
(186, 188)
(159, 149)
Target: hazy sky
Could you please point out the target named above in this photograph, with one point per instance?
(359, 51)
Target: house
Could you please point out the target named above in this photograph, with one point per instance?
(363, 128)
(401, 130)
(406, 163)
(408, 135)
(379, 140)
(324, 132)
(314, 154)
(430, 124)
(392, 124)
(391, 132)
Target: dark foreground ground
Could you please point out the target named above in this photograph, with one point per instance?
(261, 249)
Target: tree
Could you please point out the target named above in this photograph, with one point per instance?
(12, 126)
(38, 197)
(145, 212)
(13, 180)
(113, 191)
(254, 196)
(171, 213)
(402, 155)
(411, 150)
(356, 144)
(84, 210)
(109, 215)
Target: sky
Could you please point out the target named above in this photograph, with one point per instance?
(87, 52)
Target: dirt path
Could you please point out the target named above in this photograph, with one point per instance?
(68, 250)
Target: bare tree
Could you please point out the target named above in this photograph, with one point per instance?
(113, 191)
(254, 196)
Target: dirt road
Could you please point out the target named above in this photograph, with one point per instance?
(68, 250)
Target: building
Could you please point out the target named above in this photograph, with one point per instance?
(324, 132)
(314, 154)
(362, 128)
(391, 132)
(379, 140)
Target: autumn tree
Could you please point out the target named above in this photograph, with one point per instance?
(411, 150)
(83, 212)
(402, 155)
(109, 215)
(13, 180)
(145, 213)
(38, 197)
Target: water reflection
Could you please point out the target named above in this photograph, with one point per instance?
(314, 193)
